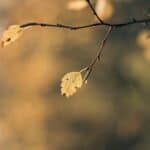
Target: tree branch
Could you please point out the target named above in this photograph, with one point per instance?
(14, 32)
(68, 27)
(32, 24)
(88, 69)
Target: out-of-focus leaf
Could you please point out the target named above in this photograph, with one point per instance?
(146, 54)
(77, 5)
(70, 83)
(143, 39)
(104, 9)
(11, 34)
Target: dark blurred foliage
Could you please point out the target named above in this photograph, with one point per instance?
(110, 113)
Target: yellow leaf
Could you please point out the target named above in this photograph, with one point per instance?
(70, 83)
(11, 34)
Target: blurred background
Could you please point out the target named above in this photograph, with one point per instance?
(111, 112)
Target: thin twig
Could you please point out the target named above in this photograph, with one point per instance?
(98, 55)
(94, 11)
(102, 44)
(32, 24)
(68, 27)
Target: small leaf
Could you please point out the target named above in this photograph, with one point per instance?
(11, 34)
(70, 83)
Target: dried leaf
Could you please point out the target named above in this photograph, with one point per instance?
(77, 5)
(11, 34)
(70, 82)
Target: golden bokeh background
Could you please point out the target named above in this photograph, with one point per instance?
(111, 112)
